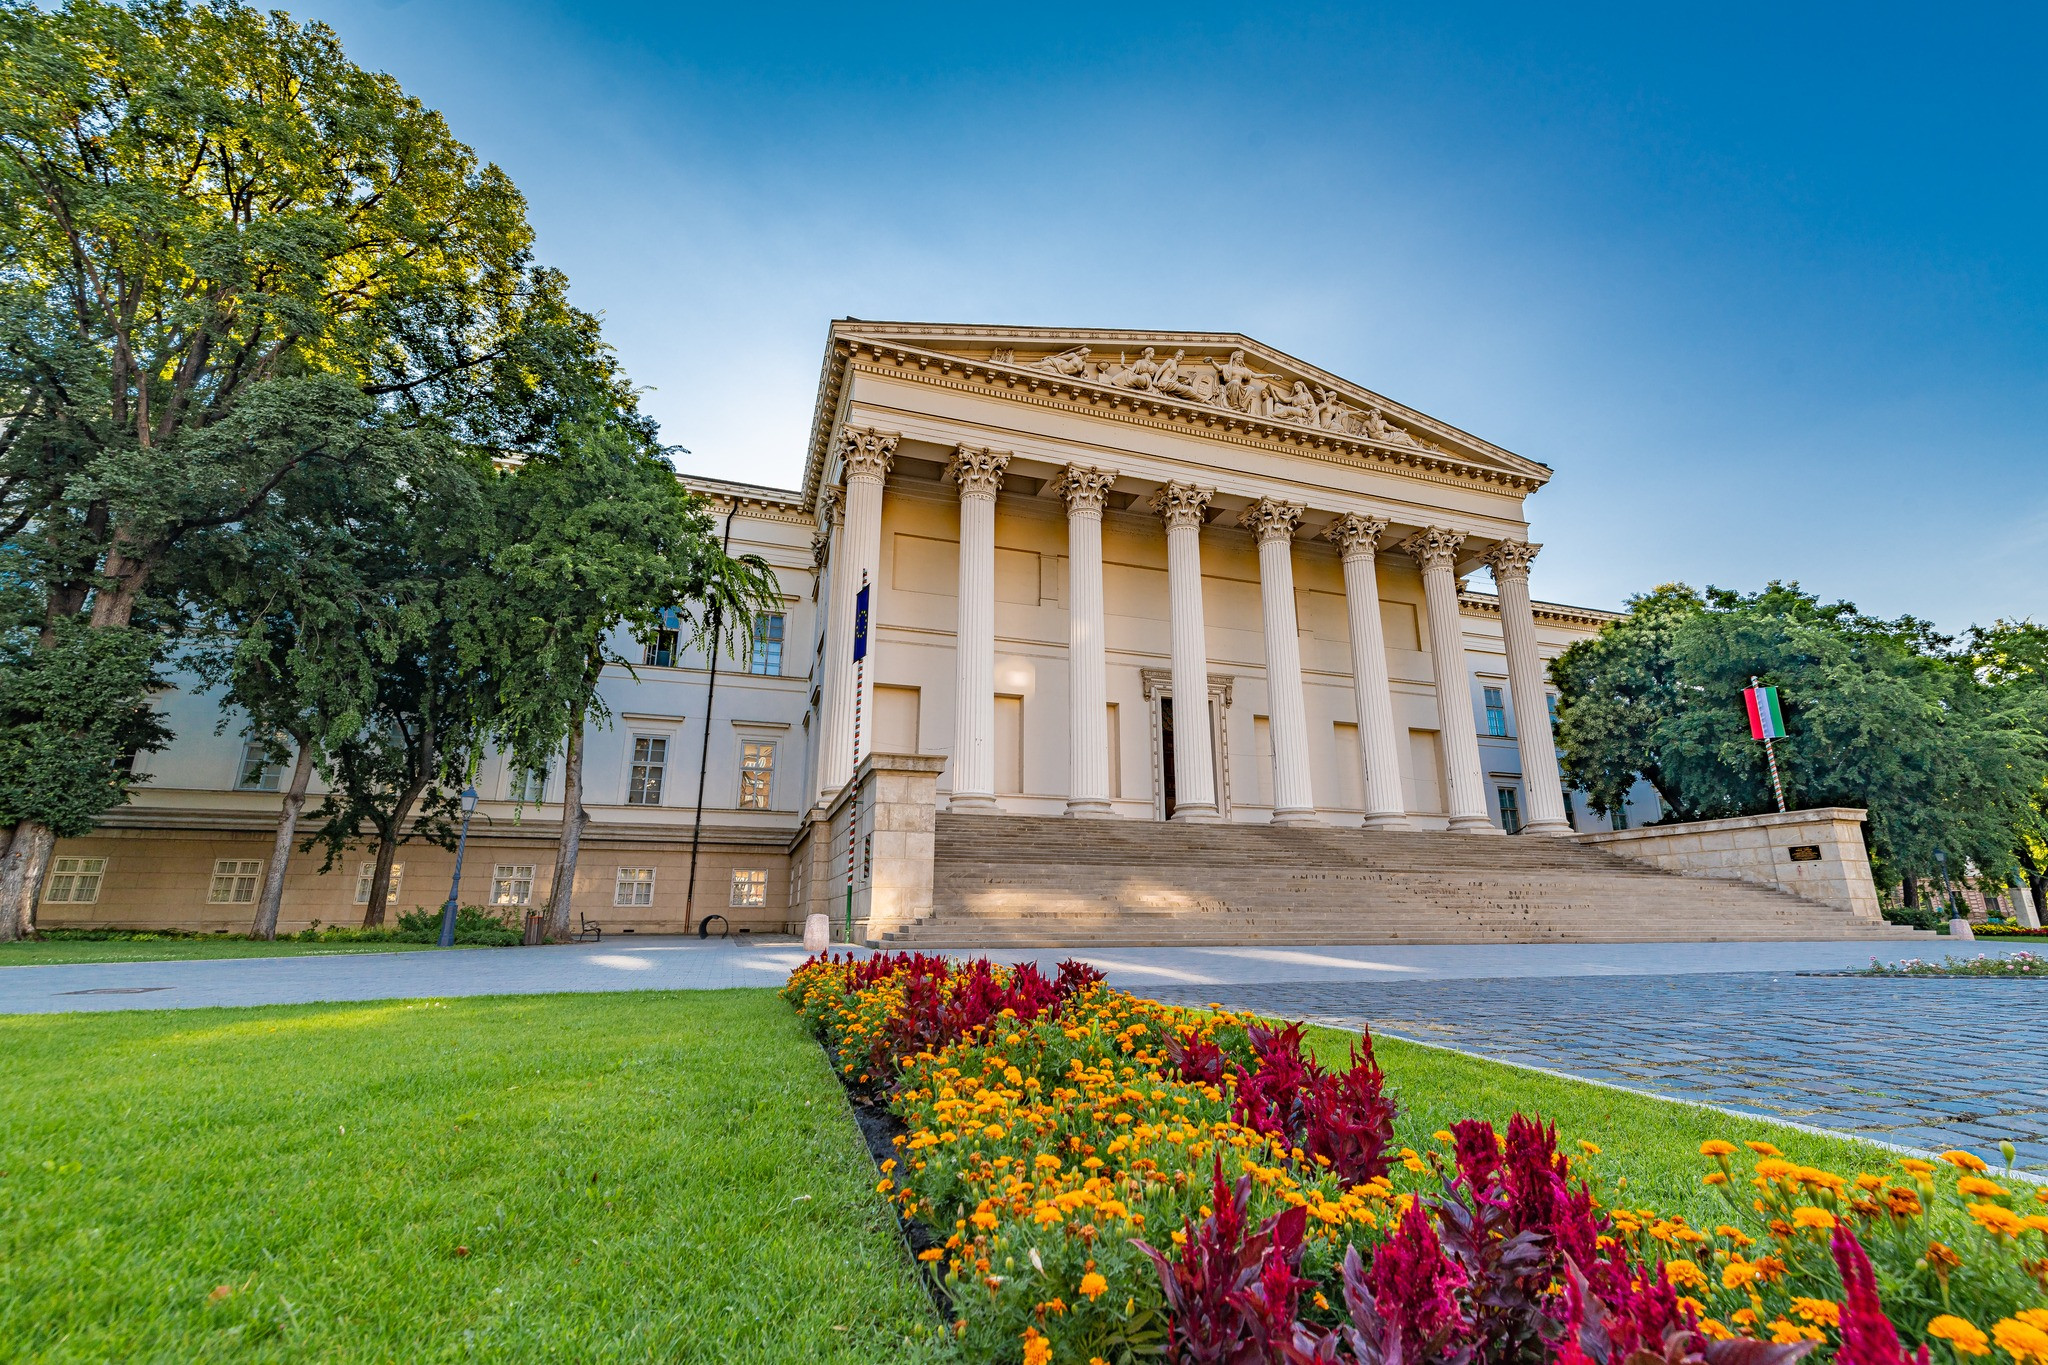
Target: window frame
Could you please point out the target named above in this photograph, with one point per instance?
(367, 872)
(628, 886)
(755, 891)
(638, 769)
(270, 776)
(526, 786)
(229, 875)
(504, 873)
(757, 780)
(1508, 802)
(765, 646)
(1493, 700)
(77, 873)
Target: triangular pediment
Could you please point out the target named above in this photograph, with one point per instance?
(1214, 377)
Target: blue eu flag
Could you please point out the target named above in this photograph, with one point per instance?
(860, 624)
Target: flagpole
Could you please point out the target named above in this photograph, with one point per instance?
(860, 667)
(1770, 750)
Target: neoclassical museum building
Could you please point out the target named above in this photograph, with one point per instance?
(1110, 577)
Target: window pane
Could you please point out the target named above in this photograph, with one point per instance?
(749, 888)
(512, 884)
(661, 650)
(234, 881)
(75, 881)
(258, 773)
(1510, 811)
(635, 886)
(757, 773)
(366, 871)
(526, 786)
(767, 655)
(650, 758)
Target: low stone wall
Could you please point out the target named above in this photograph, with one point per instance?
(893, 803)
(1817, 854)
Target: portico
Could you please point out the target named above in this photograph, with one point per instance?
(1224, 523)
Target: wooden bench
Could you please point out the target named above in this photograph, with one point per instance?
(591, 932)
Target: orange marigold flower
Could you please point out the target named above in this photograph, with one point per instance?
(1964, 1161)
(1820, 1312)
(1867, 1181)
(1714, 1178)
(2024, 1341)
(1092, 1286)
(1037, 1350)
(1716, 1147)
(1763, 1149)
(1979, 1186)
(1903, 1203)
(1942, 1258)
(1715, 1330)
(1784, 1332)
(1685, 1274)
(1737, 1273)
(1996, 1219)
(2034, 1317)
(1807, 1216)
(1774, 1168)
(1961, 1334)
(931, 1254)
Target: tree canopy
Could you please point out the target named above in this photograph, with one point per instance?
(1882, 714)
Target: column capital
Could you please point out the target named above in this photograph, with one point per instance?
(1182, 504)
(1510, 558)
(1085, 488)
(1434, 547)
(867, 452)
(978, 471)
(1356, 534)
(1270, 519)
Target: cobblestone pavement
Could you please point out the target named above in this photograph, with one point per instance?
(1931, 1065)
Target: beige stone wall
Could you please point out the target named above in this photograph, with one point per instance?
(1759, 848)
(161, 879)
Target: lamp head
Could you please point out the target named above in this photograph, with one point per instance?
(468, 800)
(1940, 858)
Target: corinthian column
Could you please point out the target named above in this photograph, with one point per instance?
(980, 476)
(1273, 523)
(1510, 561)
(1436, 551)
(866, 455)
(1181, 506)
(1359, 538)
(1087, 666)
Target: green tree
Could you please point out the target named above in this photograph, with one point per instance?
(1884, 715)
(595, 534)
(223, 246)
(2012, 657)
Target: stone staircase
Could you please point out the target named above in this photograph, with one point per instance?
(1049, 881)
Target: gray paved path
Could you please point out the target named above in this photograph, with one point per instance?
(647, 963)
(1923, 1064)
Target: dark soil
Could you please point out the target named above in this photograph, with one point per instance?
(879, 1129)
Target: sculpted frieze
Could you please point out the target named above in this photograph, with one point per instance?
(1229, 383)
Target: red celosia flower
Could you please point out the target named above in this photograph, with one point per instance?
(1868, 1337)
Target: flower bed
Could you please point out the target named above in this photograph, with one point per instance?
(1107, 1179)
(2007, 930)
(2020, 964)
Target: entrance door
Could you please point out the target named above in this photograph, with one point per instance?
(1166, 751)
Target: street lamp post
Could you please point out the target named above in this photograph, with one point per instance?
(455, 886)
(1948, 895)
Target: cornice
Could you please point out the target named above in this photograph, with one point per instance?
(866, 347)
(1487, 602)
(755, 500)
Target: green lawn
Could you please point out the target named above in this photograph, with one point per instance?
(639, 1176)
(46, 952)
(642, 1176)
(1652, 1143)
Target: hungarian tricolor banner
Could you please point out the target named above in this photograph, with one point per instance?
(1766, 721)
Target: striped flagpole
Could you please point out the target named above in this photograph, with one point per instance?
(1767, 723)
(860, 672)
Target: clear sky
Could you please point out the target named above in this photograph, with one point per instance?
(1766, 285)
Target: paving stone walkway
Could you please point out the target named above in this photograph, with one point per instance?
(1930, 1065)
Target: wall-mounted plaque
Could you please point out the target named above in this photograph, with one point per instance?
(1805, 853)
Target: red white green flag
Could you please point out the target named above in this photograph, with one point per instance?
(1766, 721)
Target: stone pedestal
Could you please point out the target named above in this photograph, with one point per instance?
(1817, 854)
(893, 802)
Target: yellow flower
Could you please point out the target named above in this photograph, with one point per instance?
(1961, 1334)
(1093, 1286)
(1685, 1274)
(1774, 1168)
(1590, 1149)
(1714, 1178)
(1784, 1331)
(1978, 1185)
(2002, 1222)
(1914, 1166)
(1443, 1135)
(1866, 1181)
(1037, 1350)
(1716, 1147)
(1820, 1312)
(2023, 1341)
(1963, 1161)
(1807, 1216)
(1736, 1274)
(1763, 1149)
(2034, 1317)
(1717, 1331)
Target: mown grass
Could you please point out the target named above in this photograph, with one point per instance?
(52, 952)
(1650, 1143)
(643, 1176)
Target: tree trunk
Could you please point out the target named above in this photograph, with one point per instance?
(265, 926)
(563, 891)
(380, 878)
(21, 878)
(2039, 883)
(1912, 891)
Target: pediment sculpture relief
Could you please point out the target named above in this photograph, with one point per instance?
(1227, 382)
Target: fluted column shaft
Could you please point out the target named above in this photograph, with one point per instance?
(867, 455)
(1087, 662)
(1385, 805)
(1541, 785)
(1182, 507)
(980, 476)
(1273, 523)
(837, 676)
(1436, 552)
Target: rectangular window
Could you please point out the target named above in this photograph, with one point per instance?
(662, 648)
(650, 764)
(1510, 810)
(1009, 745)
(1496, 714)
(1618, 817)
(75, 881)
(526, 786)
(635, 886)
(512, 884)
(749, 888)
(757, 773)
(366, 871)
(257, 773)
(767, 656)
(234, 881)
(1116, 754)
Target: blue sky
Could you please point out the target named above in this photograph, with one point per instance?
(1765, 285)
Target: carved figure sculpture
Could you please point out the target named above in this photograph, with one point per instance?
(1297, 406)
(1072, 363)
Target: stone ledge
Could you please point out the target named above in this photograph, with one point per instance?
(1758, 849)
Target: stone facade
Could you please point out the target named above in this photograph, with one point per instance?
(1060, 532)
(1817, 854)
